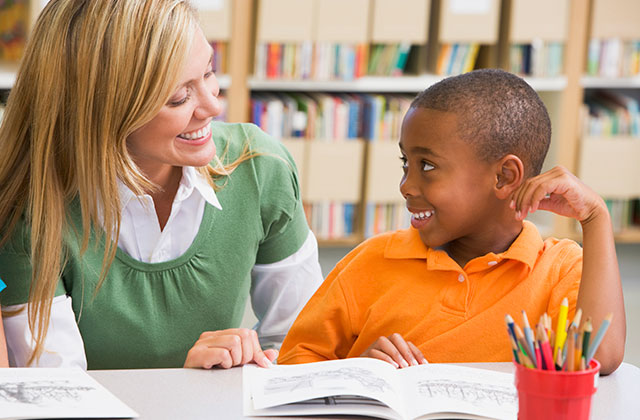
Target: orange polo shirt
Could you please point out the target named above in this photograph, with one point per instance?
(394, 283)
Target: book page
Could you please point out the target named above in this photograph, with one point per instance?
(56, 393)
(443, 388)
(349, 380)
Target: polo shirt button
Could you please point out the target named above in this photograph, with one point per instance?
(492, 262)
(461, 278)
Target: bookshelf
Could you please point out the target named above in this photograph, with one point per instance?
(609, 142)
(427, 25)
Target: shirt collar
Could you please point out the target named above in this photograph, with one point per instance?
(191, 181)
(406, 244)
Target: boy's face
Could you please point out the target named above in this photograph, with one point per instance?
(448, 189)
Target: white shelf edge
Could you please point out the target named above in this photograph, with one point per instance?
(407, 84)
(595, 82)
(8, 78)
(224, 81)
(547, 84)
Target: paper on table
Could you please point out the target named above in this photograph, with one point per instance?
(27, 393)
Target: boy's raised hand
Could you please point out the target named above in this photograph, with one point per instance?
(395, 350)
(228, 348)
(558, 191)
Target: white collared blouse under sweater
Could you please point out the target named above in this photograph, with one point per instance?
(279, 290)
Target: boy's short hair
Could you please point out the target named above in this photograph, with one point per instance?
(499, 114)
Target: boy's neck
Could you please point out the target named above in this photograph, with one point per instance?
(496, 240)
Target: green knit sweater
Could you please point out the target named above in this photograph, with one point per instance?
(149, 315)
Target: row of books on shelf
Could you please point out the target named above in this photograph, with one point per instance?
(612, 113)
(331, 220)
(613, 58)
(538, 59)
(330, 116)
(625, 214)
(219, 61)
(457, 58)
(307, 60)
(385, 217)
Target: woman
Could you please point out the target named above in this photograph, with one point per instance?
(124, 243)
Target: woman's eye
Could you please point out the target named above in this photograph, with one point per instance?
(427, 166)
(404, 162)
(209, 71)
(180, 101)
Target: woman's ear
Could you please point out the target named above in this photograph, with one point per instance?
(509, 176)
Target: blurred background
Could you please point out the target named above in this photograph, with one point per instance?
(332, 80)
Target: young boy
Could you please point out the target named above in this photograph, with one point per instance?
(472, 147)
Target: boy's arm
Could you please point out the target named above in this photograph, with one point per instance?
(323, 330)
(600, 291)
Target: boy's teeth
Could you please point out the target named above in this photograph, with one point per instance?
(422, 215)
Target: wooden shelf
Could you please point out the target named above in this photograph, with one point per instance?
(591, 82)
(224, 81)
(8, 78)
(401, 84)
(628, 236)
(350, 241)
(7, 75)
(547, 84)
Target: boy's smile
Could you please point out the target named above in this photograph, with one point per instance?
(449, 190)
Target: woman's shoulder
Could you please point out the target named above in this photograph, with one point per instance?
(17, 241)
(269, 155)
(235, 136)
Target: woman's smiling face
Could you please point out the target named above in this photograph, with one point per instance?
(180, 134)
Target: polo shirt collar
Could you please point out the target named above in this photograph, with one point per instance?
(406, 244)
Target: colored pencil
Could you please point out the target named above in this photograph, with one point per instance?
(561, 332)
(576, 318)
(523, 343)
(528, 333)
(578, 347)
(587, 335)
(570, 347)
(598, 338)
(547, 354)
(538, 355)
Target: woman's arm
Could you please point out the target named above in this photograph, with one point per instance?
(4, 361)
(63, 347)
(280, 290)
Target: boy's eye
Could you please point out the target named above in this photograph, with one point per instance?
(426, 166)
(404, 162)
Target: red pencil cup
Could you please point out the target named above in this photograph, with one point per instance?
(555, 395)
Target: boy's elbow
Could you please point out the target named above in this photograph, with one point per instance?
(610, 358)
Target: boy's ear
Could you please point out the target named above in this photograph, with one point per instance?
(509, 176)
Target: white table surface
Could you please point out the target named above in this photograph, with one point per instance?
(187, 394)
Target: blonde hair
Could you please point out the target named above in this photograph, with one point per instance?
(92, 73)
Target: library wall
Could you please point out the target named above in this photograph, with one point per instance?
(332, 79)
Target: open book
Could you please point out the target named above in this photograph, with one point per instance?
(371, 387)
(35, 393)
